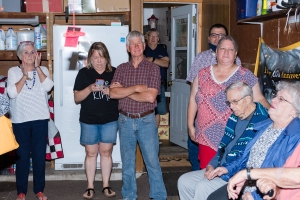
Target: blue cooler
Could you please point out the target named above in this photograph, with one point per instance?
(245, 9)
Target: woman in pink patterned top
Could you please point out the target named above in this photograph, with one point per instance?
(208, 99)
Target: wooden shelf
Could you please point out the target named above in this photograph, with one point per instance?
(267, 17)
(11, 55)
(100, 18)
(103, 18)
(42, 16)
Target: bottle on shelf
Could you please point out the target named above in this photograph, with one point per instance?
(264, 9)
(258, 7)
(37, 37)
(11, 40)
(2, 39)
(43, 37)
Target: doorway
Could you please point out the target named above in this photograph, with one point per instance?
(177, 30)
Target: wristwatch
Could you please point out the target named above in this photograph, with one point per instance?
(248, 173)
(153, 59)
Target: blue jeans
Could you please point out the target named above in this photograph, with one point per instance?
(144, 131)
(32, 139)
(193, 150)
(161, 108)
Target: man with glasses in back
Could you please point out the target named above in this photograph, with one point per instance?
(238, 132)
(158, 55)
(204, 59)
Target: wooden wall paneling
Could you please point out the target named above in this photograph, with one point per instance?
(200, 27)
(136, 9)
(212, 13)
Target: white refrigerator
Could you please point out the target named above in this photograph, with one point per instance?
(67, 62)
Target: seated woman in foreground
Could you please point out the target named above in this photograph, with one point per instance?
(275, 142)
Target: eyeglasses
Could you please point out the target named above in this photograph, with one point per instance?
(223, 49)
(234, 102)
(27, 42)
(281, 99)
(215, 35)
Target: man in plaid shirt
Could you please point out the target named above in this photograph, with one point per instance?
(136, 84)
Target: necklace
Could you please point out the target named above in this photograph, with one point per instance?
(29, 88)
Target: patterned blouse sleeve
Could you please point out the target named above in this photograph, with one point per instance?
(250, 78)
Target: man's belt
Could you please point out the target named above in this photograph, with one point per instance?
(136, 115)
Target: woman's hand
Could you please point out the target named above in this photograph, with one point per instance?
(192, 133)
(105, 90)
(94, 88)
(38, 57)
(236, 183)
(219, 171)
(247, 196)
(24, 68)
(265, 185)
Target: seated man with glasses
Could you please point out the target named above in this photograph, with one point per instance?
(238, 132)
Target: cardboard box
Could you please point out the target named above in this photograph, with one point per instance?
(44, 6)
(164, 120)
(112, 5)
(164, 132)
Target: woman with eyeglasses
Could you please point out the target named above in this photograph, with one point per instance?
(276, 141)
(27, 86)
(208, 99)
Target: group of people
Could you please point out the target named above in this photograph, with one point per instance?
(128, 103)
(256, 135)
(232, 128)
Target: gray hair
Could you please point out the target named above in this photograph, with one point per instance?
(244, 89)
(293, 89)
(153, 30)
(230, 38)
(22, 46)
(134, 34)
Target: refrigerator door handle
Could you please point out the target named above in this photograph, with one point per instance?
(60, 75)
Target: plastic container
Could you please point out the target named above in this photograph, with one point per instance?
(2, 39)
(264, 9)
(245, 8)
(43, 37)
(37, 37)
(11, 40)
(258, 7)
(25, 34)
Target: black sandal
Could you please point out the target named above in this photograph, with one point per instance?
(88, 194)
(110, 192)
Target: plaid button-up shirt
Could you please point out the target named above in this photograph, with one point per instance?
(147, 73)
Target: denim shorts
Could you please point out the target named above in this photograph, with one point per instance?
(94, 133)
(161, 108)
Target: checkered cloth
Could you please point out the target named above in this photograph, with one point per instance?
(54, 147)
(51, 107)
(3, 84)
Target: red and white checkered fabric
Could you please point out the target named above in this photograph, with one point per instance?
(51, 108)
(54, 148)
(3, 84)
